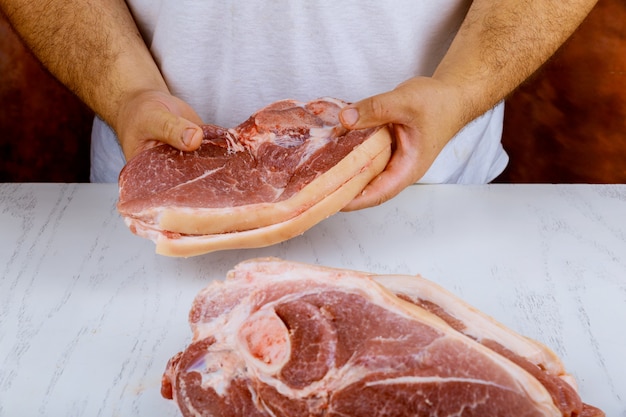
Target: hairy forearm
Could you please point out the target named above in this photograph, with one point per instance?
(93, 47)
(500, 44)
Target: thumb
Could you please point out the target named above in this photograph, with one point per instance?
(153, 117)
(176, 131)
(373, 111)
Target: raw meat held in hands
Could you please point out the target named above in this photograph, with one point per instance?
(286, 168)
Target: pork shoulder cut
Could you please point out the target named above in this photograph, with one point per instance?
(279, 338)
(286, 168)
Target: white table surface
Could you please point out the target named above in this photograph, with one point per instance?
(89, 314)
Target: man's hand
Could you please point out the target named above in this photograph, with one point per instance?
(497, 47)
(96, 50)
(152, 117)
(423, 114)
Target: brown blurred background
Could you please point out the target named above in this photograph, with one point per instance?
(567, 124)
(44, 129)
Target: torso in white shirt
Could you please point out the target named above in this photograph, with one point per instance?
(228, 59)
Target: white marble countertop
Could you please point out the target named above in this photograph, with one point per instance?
(89, 314)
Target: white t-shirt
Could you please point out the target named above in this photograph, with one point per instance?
(228, 59)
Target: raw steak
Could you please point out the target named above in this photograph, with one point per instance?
(289, 166)
(279, 338)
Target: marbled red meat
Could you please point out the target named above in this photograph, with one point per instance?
(252, 185)
(279, 338)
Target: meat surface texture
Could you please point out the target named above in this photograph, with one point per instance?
(279, 338)
(287, 167)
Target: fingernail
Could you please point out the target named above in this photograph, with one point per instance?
(188, 136)
(350, 116)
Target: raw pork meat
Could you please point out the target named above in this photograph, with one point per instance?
(289, 166)
(279, 338)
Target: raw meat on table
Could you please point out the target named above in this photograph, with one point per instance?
(286, 168)
(280, 338)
